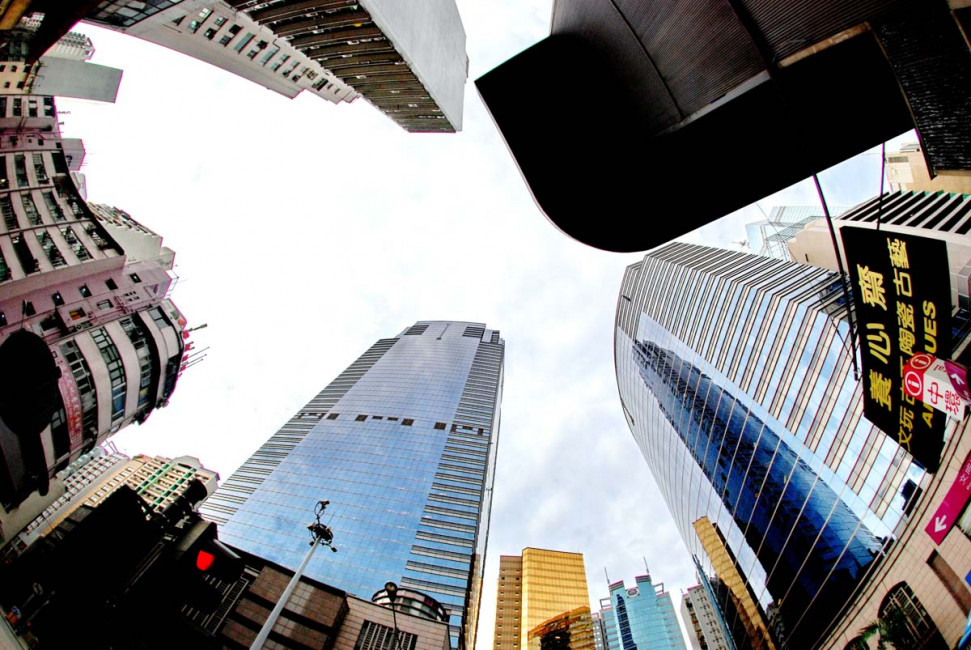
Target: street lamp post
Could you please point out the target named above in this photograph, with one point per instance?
(320, 533)
(391, 589)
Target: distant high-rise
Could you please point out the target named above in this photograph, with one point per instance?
(907, 171)
(64, 69)
(701, 617)
(410, 64)
(644, 616)
(610, 636)
(158, 480)
(403, 445)
(768, 237)
(543, 602)
(736, 381)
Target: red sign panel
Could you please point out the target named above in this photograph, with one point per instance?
(939, 382)
(72, 402)
(953, 504)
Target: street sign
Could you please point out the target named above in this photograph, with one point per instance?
(941, 383)
(953, 504)
(902, 300)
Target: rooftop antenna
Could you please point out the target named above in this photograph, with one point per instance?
(606, 577)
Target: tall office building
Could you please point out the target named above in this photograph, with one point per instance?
(410, 64)
(403, 445)
(737, 385)
(73, 300)
(644, 616)
(542, 602)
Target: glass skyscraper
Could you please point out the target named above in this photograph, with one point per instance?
(644, 616)
(735, 378)
(403, 445)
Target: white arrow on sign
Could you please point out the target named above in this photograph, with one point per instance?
(940, 523)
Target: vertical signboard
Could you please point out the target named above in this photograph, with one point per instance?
(72, 402)
(902, 298)
(950, 509)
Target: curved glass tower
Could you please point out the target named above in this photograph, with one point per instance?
(403, 445)
(738, 388)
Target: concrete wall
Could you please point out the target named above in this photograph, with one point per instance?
(429, 35)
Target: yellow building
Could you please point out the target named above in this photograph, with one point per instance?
(542, 590)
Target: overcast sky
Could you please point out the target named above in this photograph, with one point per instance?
(305, 231)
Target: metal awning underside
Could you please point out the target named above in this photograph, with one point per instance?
(633, 112)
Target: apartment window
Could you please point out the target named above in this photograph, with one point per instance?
(38, 159)
(50, 249)
(57, 298)
(138, 336)
(9, 216)
(209, 33)
(219, 21)
(283, 59)
(407, 422)
(84, 291)
(53, 207)
(360, 418)
(4, 269)
(104, 304)
(111, 284)
(269, 54)
(332, 416)
(134, 278)
(235, 29)
(243, 43)
(32, 215)
(3, 319)
(28, 308)
(76, 245)
(116, 372)
(20, 165)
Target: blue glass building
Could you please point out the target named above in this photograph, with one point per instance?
(643, 617)
(738, 387)
(403, 445)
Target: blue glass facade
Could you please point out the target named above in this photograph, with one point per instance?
(737, 386)
(403, 445)
(644, 617)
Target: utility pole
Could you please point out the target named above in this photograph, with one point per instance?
(319, 533)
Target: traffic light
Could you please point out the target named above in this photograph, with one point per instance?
(207, 568)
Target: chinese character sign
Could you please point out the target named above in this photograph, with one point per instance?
(902, 298)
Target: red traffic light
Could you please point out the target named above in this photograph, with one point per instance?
(204, 560)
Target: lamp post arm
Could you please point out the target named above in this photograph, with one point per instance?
(281, 603)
